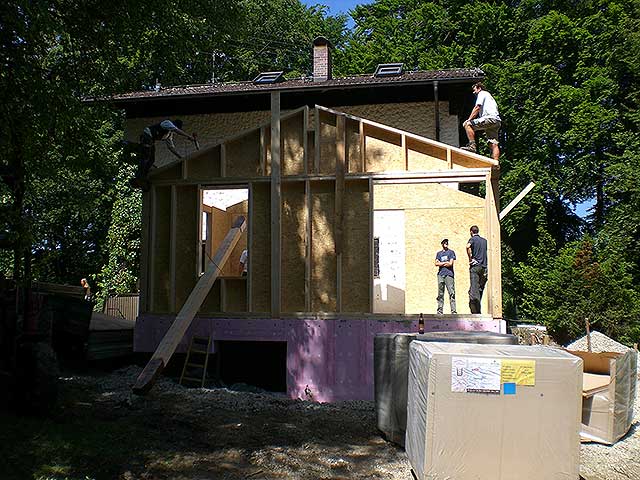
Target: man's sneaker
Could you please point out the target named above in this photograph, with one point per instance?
(469, 148)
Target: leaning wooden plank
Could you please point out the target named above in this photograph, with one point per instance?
(176, 332)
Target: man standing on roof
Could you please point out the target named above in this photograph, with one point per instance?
(483, 117)
(164, 131)
(477, 253)
(444, 260)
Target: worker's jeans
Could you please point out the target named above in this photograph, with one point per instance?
(451, 289)
(477, 281)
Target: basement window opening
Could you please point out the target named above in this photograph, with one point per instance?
(246, 364)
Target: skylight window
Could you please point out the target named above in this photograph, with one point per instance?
(388, 69)
(268, 77)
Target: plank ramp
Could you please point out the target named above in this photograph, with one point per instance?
(183, 320)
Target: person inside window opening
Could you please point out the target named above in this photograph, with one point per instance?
(244, 260)
(163, 131)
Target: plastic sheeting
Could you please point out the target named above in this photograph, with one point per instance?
(391, 365)
(608, 415)
(524, 426)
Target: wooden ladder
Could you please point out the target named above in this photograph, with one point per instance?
(199, 348)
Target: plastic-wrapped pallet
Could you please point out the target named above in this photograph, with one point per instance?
(391, 366)
(499, 412)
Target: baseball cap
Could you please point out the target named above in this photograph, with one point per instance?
(444, 240)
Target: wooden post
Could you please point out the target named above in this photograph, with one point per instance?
(276, 193)
(339, 202)
(588, 328)
(492, 205)
(436, 106)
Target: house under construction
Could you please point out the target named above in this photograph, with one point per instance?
(347, 186)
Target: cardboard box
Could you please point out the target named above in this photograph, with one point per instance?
(608, 395)
(499, 412)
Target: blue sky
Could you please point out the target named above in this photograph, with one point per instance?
(337, 6)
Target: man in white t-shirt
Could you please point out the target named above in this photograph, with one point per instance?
(483, 117)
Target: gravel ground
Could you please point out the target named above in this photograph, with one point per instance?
(226, 434)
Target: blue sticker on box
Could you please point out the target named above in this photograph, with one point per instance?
(509, 388)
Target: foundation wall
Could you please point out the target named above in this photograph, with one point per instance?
(332, 358)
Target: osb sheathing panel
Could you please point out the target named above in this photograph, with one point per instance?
(355, 258)
(383, 150)
(292, 147)
(211, 304)
(414, 117)
(424, 230)
(205, 166)
(235, 295)
(425, 157)
(433, 212)
(211, 129)
(171, 173)
(260, 248)
(421, 195)
(323, 257)
(160, 251)
(232, 268)
(354, 155)
(186, 242)
(327, 143)
(294, 242)
(243, 156)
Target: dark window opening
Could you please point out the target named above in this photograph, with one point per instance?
(260, 364)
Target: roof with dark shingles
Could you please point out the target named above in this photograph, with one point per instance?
(302, 84)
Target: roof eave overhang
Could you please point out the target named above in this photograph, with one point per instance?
(298, 89)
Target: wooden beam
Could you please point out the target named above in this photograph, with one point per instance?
(436, 107)
(371, 252)
(339, 204)
(172, 249)
(250, 250)
(223, 160)
(492, 206)
(263, 151)
(183, 320)
(307, 261)
(363, 147)
(317, 142)
(144, 252)
(153, 232)
(516, 200)
(276, 204)
(305, 140)
(405, 152)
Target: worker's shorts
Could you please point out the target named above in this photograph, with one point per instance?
(490, 126)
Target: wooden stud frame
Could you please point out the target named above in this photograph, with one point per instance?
(481, 169)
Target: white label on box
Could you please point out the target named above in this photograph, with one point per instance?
(478, 375)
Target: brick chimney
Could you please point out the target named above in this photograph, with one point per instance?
(321, 59)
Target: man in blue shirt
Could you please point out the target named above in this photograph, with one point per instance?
(444, 260)
(477, 253)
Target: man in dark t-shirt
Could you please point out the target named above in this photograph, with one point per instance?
(477, 253)
(444, 260)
